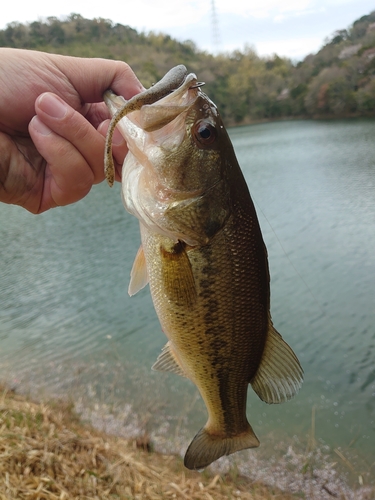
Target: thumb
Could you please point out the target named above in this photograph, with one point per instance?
(92, 77)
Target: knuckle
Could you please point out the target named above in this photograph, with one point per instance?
(126, 82)
(124, 69)
(75, 128)
(81, 129)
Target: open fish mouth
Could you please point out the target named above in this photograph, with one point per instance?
(175, 82)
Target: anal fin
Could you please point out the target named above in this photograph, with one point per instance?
(168, 362)
(138, 274)
(280, 375)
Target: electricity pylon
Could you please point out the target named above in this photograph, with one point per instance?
(215, 28)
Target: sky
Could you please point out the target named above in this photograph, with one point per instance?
(291, 28)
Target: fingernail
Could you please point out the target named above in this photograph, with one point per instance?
(40, 127)
(52, 105)
(117, 139)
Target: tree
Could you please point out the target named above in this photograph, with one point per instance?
(365, 98)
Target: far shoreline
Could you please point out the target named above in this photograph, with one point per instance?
(331, 118)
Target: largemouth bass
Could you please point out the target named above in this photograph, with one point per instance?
(203, 255)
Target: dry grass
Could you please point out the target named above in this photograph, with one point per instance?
(46, 453)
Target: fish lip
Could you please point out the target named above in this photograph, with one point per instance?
(115, 102)
(197, 85)
(186, 85)
(189, 85)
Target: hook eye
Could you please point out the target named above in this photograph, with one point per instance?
(196, 85)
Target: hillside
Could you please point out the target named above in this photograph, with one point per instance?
(337, 81)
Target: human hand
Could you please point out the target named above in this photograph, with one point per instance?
(52, 125)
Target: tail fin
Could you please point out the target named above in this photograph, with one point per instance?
(206, 448)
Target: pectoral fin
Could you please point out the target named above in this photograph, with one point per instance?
(197, 220)
(280, 375)
(177, 275)
(168, 361)
(138, 274)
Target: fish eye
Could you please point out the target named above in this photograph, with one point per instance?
(205, 133)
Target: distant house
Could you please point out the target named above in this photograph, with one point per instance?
(371, 27)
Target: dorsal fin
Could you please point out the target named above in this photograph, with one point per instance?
(168, 362)
(138, 274)
(280, 375)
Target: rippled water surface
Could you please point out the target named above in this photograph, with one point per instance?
(68, 327)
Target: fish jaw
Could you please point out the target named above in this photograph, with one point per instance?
(163, 183)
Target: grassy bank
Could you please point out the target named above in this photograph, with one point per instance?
(46, 453)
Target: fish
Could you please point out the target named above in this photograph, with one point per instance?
(203, 256)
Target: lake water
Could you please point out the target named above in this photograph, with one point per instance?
(68, 327)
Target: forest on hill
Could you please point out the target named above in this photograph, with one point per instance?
(337, 81)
